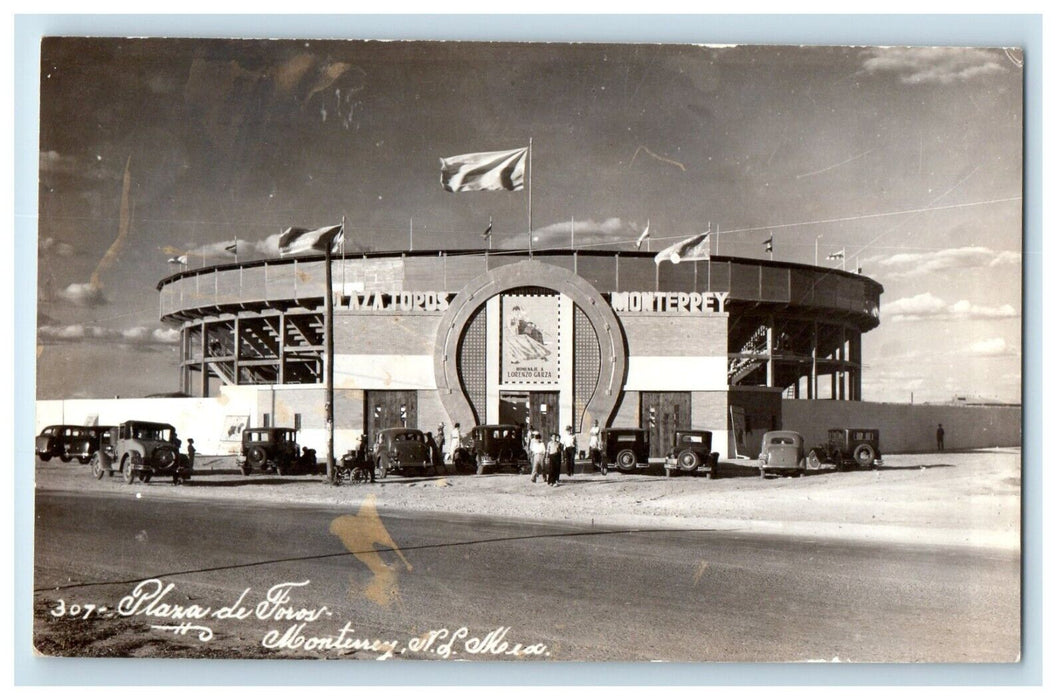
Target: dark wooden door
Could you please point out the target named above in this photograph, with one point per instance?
(543, 411)
(389, 409)
(663, 413)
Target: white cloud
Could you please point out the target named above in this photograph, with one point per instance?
(137, 336)
(51, 245)
(926, 306)
(587, 233)
(913, 264)
(992, 347)
(83, 294)
(935, 65)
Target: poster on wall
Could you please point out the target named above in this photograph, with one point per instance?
(233, 428)
(529, 340)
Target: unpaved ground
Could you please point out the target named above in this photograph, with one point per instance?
(963, 499)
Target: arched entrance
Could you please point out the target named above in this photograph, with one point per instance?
(602, 323)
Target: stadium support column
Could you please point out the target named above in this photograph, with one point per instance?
(204, 377)
(814, 390)
(770, 342)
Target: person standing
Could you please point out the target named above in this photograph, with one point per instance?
(594, 444)
(537, 451)
(554, 459)
(191, 454)
(440, 440)
(569, 450)
(456, 440)
(940, 437)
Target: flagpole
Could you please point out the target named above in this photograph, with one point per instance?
(528, 183)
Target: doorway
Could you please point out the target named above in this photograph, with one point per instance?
(536, 409)
(389, 409)
(663, 413)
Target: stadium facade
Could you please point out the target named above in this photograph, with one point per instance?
(561, 337)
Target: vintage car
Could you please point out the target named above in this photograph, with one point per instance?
(273, 449)
(494, 447)
(625, 449)
(401, 450)
(83, 442)
(848, 447)
(51, 442)
(691, 453)
(782, 452)
(141, 450)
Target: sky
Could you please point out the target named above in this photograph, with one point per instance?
(910, 159)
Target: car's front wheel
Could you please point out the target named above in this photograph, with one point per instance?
(127, 469)
(687, 460)
(864, 455)
(812, 460)
(97, 468)
(44, 457)
(64, 459)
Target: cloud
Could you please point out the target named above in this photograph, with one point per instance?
(83, 294)
(935, 65)
(588, 234)
(50, 245)
(992, 347)
(926, 306)
(135, 337)
(914, 264)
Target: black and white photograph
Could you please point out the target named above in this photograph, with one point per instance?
(528, 351)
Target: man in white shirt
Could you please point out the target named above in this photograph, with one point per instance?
(594, 444)
(569, 450)
(537, 451)
(456, 439)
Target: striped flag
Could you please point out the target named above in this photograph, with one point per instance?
(477, 172)
(179, 260)
(487, 231)
(300, 240)
(767, 244)
(231, 248)
(643, 236)
(693, 248)
(838, 255)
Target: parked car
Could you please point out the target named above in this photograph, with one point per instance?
(401, 450)
(141, 450)
(83, 442)
(848, 447)
(494, 447)
(273, 449)
(626, 449)
(691, 453)
(50, 442)
(782, 452)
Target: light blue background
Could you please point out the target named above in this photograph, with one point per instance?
(984, 30)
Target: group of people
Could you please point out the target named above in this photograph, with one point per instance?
(548, 458)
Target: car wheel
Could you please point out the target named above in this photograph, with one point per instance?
(812, 460)
(864, 455)
(127, 469)
(626, 460)
(381, 470)
(45, 458)
(64, 459)
(687, 460)
(84, 460)
(97, 468)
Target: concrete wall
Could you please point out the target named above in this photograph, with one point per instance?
(907, 427)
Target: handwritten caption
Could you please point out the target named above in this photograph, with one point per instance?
(294, 627)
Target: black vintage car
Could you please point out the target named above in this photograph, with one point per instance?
(273, 449)
(494, 447)
(59, 441)
(848, 447)
(625, 449)
(691, 453)
(401, 450)
(83, 443)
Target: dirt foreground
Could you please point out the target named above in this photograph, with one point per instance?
(956, 499)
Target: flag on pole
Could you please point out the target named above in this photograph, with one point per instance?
(179, 260)
(487, 231)
(475, 172)
(643, 236)
(300, 240)
(693, 248)
(838, 255)
(768, 244)
(231, 248)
